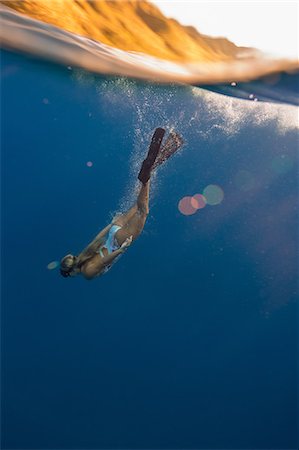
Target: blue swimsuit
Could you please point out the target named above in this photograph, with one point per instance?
(111, 245)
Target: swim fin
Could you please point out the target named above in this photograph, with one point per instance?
(172, 144)
(148, 163)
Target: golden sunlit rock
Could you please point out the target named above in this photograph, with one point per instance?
(133, 25)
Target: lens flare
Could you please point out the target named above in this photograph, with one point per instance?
(89, 163)
(53, 265)
(45, 101)
(186, 207)
(213, 194)
(198, 201)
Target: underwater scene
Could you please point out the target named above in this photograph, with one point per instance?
(189, 341)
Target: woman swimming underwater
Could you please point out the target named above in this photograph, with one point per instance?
(105, 249)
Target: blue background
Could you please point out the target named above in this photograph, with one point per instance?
(190, 340)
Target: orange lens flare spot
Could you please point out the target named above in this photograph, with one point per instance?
(198, 201)
(185, 206)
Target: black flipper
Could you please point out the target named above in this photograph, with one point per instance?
(172, 144)
(148, 163)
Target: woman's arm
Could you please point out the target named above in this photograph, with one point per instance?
(94, 267)
(107, 260)
(92, 248)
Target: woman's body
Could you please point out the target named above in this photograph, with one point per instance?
(114, 239)
(130, 227)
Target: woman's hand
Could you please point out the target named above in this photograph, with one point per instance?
(126, 243)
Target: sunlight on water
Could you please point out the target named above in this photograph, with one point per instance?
(232, 113)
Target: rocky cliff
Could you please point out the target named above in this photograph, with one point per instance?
(132, 25)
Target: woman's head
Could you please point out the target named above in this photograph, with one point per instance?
(67, 265)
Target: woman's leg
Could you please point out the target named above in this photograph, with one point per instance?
(136, 216)
(143, 199)
(122, 219)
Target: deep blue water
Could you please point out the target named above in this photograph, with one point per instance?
(190, 340)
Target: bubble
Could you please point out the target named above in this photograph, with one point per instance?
(45, 101)
(233, 83)
(213, 194)
(89, 163)
(244, 180)
(198, 201)
(53, 265)
(282, 164)
(185, 206)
